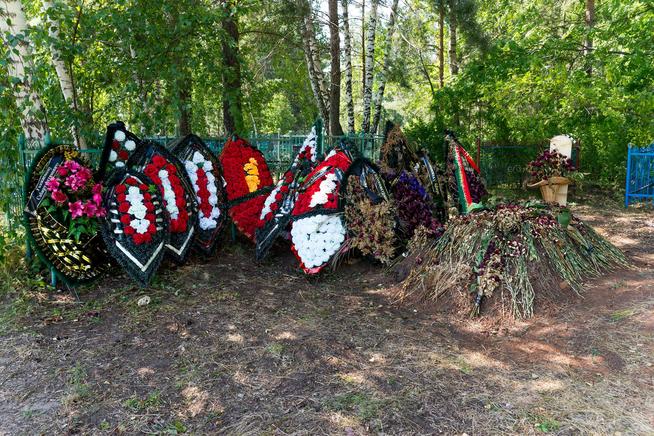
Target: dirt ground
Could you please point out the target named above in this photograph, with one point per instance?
(231, 347)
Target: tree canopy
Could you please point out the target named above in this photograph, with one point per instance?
(499, 70)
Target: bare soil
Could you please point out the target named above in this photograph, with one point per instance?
(227, 346)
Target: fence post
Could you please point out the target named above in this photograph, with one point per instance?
(626, 191)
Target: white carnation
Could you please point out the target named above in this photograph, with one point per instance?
(113, 156)
(130, 145)
(119, 135)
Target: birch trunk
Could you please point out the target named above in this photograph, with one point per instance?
(313, 64)
(335, 128)
(363, 42)
(64, 75)
(379, 99)
(13, 25)
(349, 101)
(368, 79)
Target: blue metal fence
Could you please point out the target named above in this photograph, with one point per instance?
(639, 185)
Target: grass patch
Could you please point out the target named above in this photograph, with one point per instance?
(276, 349)
(79, 389)
(365, 406)
(546, 425)
(152, 401)
(619, 315)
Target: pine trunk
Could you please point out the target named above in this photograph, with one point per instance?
(441, 44)
(14, 26)
(64, 75)
(368, 79)
(232, 93)
(454, 61)
(313, 65)
(588, 45)
(349, 101)
(335, 128)
(384, 71)
(184, 93)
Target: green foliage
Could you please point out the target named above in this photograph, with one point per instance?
(531, 83)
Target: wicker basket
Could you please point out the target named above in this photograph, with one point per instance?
(550, 189)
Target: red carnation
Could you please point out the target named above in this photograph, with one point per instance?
(123, 155)
(129, 230)
(172, 169)
(121, 189)
(284, 189)
(143, 187)
(147, 196)
(132, 181)
(159, 161)
(125, 219)
(124, 207)
(138, 239)
(150, 217)
(115, 145)
(152, 229)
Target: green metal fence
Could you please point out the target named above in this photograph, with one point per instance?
(505, 165)
(278, 150)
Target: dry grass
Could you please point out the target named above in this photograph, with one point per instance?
(233, 348)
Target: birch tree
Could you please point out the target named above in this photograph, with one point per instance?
(13, 25)
(335, 74)
(349, 101)
(369, 63)
(312, 56)
(384, 71)
(63, 70)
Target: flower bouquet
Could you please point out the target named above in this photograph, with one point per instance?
(136, 226)
(549, 172)
(318, 231)
(370, 214)
(63, 204)
(169, 176)
(248, 184)
(414, 206)
(276, 212)
(205, 174)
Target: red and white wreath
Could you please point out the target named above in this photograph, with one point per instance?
(164, 175)
(137, 212)
(121, 147)
(200, 171)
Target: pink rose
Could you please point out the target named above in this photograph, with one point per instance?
(59, 197)
(62, 171)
